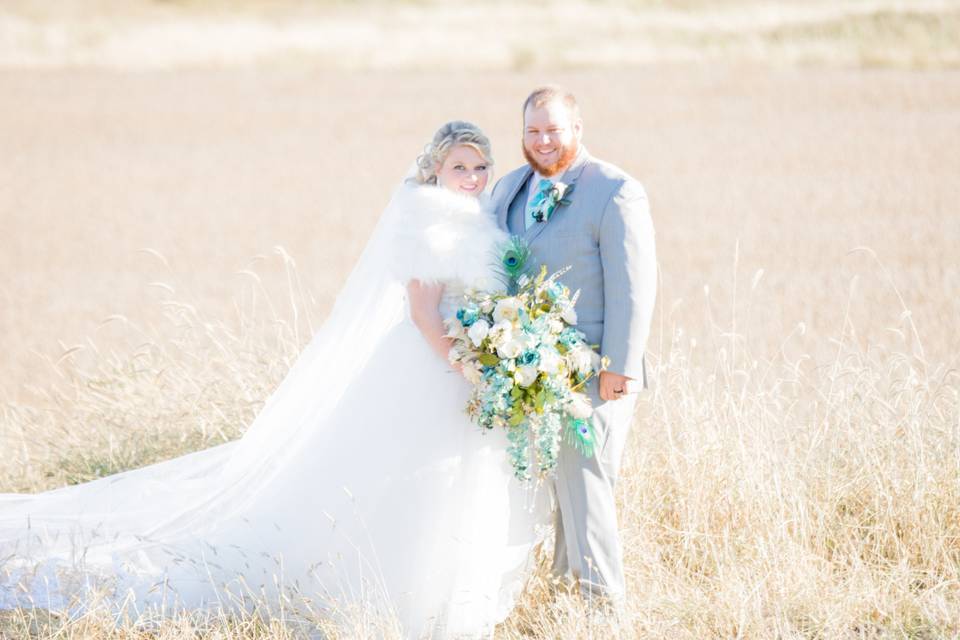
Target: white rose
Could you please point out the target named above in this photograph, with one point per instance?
(486, 306)
(569, 315)
(556, 326)
(506, 309)
(510, 349)
(478, 331)
(525, 376)
(579, 406)
(550, 361)
(500, 333)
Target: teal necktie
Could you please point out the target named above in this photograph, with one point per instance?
(543, 188)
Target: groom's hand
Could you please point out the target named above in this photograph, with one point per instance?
(613, 386)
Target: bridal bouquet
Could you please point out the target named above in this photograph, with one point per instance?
(528, 364)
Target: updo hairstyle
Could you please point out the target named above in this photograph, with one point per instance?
(450, 135)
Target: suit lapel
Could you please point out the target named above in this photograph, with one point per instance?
(515, 215)
(569, 177)
(503, 215)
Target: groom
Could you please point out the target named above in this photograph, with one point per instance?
(601, 228)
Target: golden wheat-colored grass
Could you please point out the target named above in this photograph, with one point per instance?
(793, 473)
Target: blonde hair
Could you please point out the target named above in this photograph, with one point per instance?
(450, 135)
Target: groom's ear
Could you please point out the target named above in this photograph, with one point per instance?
(578, 128)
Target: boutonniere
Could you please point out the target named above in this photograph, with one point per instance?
(546, 202)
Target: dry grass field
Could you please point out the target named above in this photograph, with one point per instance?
(172, 237)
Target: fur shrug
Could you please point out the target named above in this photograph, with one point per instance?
(443, 236)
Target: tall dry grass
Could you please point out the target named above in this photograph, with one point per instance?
(763, 495)
(190, 382)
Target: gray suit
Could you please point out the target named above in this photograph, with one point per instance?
(605, 235)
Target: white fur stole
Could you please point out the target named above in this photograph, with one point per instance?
(444, 236)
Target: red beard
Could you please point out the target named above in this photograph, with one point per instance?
(567, 154)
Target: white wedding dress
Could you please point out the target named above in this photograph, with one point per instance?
(361, 483)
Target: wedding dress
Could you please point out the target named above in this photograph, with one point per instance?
(361, 482)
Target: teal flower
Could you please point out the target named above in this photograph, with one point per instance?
(530, 358)
(570, 337)
(468, 315)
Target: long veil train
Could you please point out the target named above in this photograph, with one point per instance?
(193, 521)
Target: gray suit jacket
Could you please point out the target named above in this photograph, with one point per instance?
(605, 235)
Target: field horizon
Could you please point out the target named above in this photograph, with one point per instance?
(434, 35)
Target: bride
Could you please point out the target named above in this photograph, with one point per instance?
(361, 482)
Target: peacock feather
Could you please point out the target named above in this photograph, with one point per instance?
(514, 255)
(581, 435)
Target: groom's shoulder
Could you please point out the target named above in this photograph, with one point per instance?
(613, 178)
(612, 183)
